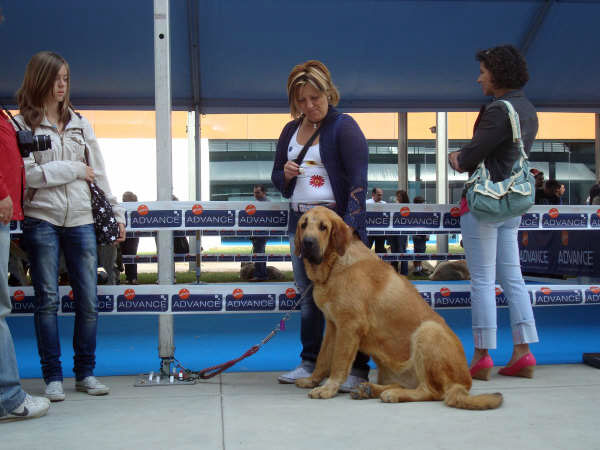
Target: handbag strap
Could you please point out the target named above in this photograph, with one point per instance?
(302, 153)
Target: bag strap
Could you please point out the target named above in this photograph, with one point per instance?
(513, 116)
(302, 153)
(12, 118)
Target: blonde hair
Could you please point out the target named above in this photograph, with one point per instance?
(38, 84)
(317, 75)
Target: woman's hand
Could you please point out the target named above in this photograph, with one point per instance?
(121, 237)
(89, 174)
(290, 170)
(453, 160)
(6, 210)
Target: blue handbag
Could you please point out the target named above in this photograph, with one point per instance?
(512, 197)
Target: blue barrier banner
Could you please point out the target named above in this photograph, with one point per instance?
(427, 297)
(377, 219)
(447, 298)
(530, 220)
(419, 220)
(145, 303)
(565, 252)
(592, 295)
(238, 301)
(155, 219)
(288, 300)
(106, 303)
(452, 218)
(556, 220)
(186, 302)
(250, 217)
(23, 302)
(215, 218)
(549, 296)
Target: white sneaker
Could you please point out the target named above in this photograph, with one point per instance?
(30, 408)
(305, 369)
(351, 382)
(91, 386)
(54, 391)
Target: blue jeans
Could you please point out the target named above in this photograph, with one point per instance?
(44, 242)
(398, 244)
(259, 244)
(11, 394)
(492, 252)
(312, 322)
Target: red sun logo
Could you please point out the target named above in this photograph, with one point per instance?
(317, 181)
(546, 291)
(455, 212)
(445, 292)
(594, 289)
(598, 213)
(290, 292)
(498, 291)
(19, 295)
(184, 294)
(405, 211)
(129, 294)
(71, 295)
(238, 293)
(142, 210)
(250, 210)
(553, 213)
(197, 209)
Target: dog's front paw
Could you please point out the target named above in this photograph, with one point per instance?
(325, 391)
(361, 392)
(306, 383)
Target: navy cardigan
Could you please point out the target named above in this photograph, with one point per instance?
(345, 155)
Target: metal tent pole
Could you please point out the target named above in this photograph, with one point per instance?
(441, 170)
(164, 175)
(402, 151)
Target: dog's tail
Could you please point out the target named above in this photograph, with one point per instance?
(458, 397)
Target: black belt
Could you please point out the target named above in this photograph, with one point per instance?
(303, 207)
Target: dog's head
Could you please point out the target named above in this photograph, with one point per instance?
(321, 231)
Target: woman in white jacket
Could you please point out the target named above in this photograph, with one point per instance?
(58, 216)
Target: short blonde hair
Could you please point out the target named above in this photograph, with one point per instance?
(317, 75)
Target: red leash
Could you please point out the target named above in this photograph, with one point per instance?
(210, 372)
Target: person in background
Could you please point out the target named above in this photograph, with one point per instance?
(398, 243)
(419, 242)
(539, 184)
(377, 197)
(594, 196)
(58, 216)
(491, 248)
(129, 246)
(259, 243)
(552, 193)
(333, 174)
(15, 403)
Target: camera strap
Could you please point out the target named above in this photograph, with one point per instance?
(302, 153)
(12, 118)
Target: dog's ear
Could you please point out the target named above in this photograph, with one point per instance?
(341, 235)
(297, 239)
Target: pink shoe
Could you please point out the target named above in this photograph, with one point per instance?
(522, 368)
(482, 368)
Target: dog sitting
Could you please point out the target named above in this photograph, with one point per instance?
(451, 271)
(369, 307)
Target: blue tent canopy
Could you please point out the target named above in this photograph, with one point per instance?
(234, 55)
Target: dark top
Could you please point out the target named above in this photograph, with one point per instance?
(345, 155)
(492, 136)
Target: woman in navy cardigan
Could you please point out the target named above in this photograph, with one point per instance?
(333, 173)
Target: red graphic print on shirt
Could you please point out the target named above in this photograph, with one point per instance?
(317, 181)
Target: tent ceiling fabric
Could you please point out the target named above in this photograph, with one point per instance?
(384, 55)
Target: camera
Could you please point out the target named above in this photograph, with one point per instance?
(28, 142)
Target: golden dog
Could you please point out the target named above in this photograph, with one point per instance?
(369, 307)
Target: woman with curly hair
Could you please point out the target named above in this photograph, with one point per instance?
(491, 248)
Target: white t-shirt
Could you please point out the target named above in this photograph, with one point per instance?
(370, 200)
(312, 184)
